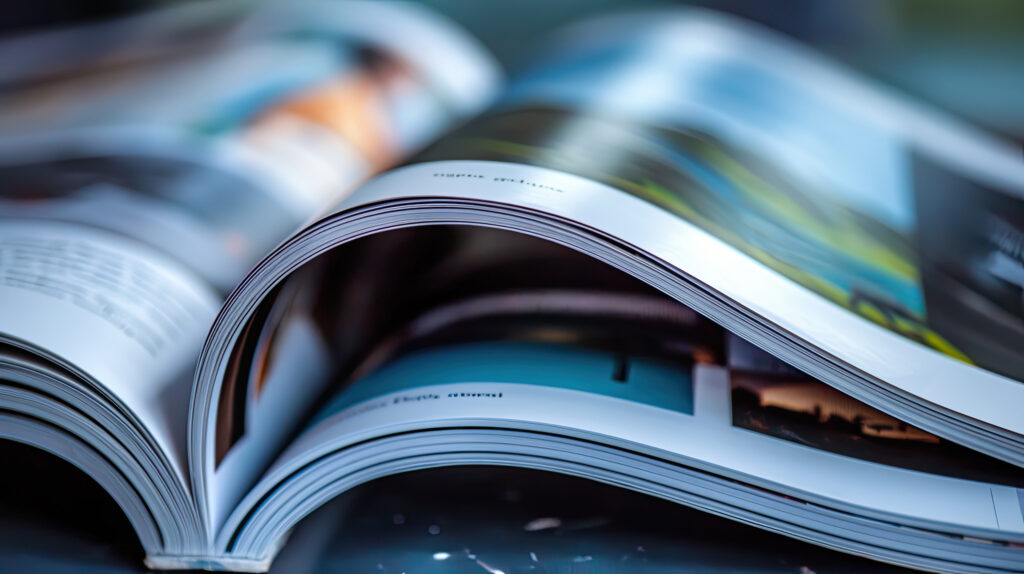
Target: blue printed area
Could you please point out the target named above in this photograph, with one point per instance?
(649, 381)
(813, 133)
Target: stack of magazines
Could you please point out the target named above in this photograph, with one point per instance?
(252, 256)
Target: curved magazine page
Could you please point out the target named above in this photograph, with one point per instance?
(653, 227)
(209, 153)
(118, 314)
(901, 221)
(491, 351)
(799, 172)
(98, 339)
(861, 358)
(125, 464)
(290, 110)
(43, 436)
(660, 408)
(502, 260)
(141, 186)
(866, 537)
(425, 75)
(60, 400)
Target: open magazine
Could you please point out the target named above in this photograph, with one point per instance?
(678, 254)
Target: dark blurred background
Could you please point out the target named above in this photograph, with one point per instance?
(961, 55)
